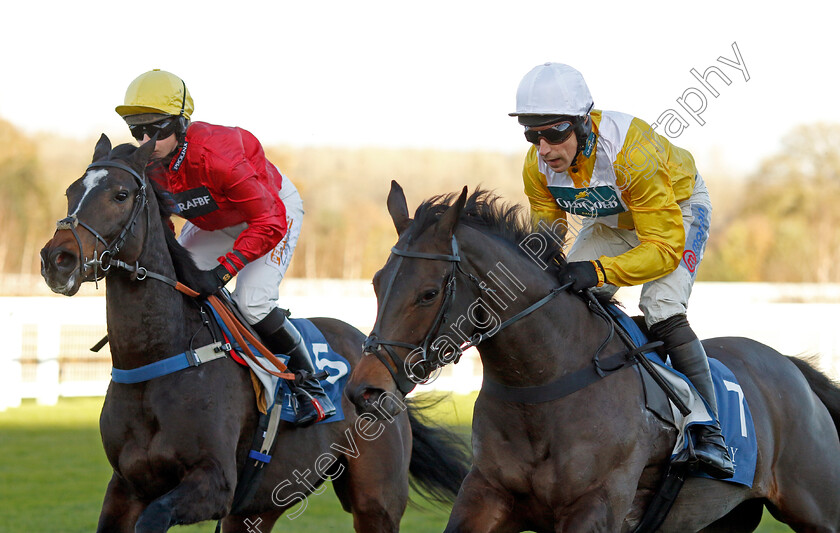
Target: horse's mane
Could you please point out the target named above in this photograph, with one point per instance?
(488, 212)
(186, 270)
(511, 223)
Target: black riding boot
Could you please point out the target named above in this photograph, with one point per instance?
(690, 359)
(282, 337)
(711, 451)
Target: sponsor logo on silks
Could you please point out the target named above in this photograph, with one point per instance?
(690, 260)
(195, 202)
(281, 253)
(590, 144)
(181, 156)
(695, 241)
(589, 202)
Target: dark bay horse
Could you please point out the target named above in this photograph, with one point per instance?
(177, 443)
(589, 461)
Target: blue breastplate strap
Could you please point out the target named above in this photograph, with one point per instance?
(170, 365)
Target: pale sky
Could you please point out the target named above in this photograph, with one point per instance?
(429, 74)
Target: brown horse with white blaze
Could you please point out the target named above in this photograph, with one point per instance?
(177, 443)
(591, 460)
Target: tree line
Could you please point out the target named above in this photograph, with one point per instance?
(779, 224)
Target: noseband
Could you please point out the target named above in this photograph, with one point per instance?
(103, 261)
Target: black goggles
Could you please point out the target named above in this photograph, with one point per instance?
(554, 134)
(163, 128)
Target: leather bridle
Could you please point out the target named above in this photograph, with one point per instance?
(432, 357)
(102, 262)
(405, 378)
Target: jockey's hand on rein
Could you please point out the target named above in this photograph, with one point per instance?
(213, 280)
(229, 265)
(583, 275)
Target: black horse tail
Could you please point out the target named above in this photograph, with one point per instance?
(440, 458)
(824, 387)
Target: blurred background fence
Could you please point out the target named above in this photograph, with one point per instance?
(46, 339)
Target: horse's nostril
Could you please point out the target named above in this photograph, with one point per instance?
(371, 395)
(64, 260)
(363, 396)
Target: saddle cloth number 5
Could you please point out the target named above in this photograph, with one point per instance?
(318, 350)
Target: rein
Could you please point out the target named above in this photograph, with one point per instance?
(406, 380)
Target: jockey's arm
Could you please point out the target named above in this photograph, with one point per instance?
(265, 217)
(659, 226)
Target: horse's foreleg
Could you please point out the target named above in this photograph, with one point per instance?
(602, 508)
(376, 482)
(205, 493)
(589, 514)
(119, 509)
(481, 508)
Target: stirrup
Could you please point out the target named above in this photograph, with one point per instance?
(712, 453)
(312, 408)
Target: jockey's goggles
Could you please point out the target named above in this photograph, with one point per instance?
(554, 134)
(163, 128)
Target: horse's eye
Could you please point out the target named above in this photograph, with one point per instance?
(121, 196)
(428, 296)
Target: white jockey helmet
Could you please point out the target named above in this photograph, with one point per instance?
(552, 89)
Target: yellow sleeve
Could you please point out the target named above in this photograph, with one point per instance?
(645, 176)
(543, 205)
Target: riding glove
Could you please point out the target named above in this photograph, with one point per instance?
(218, 277)
(583, 275)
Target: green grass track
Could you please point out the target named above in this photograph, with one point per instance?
(53, 475)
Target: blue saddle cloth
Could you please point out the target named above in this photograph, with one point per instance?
(324, 358)
(736, 421)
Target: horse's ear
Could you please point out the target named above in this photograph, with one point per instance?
(141, 156)
(103, 148)
(449, 220)
(398, 208)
